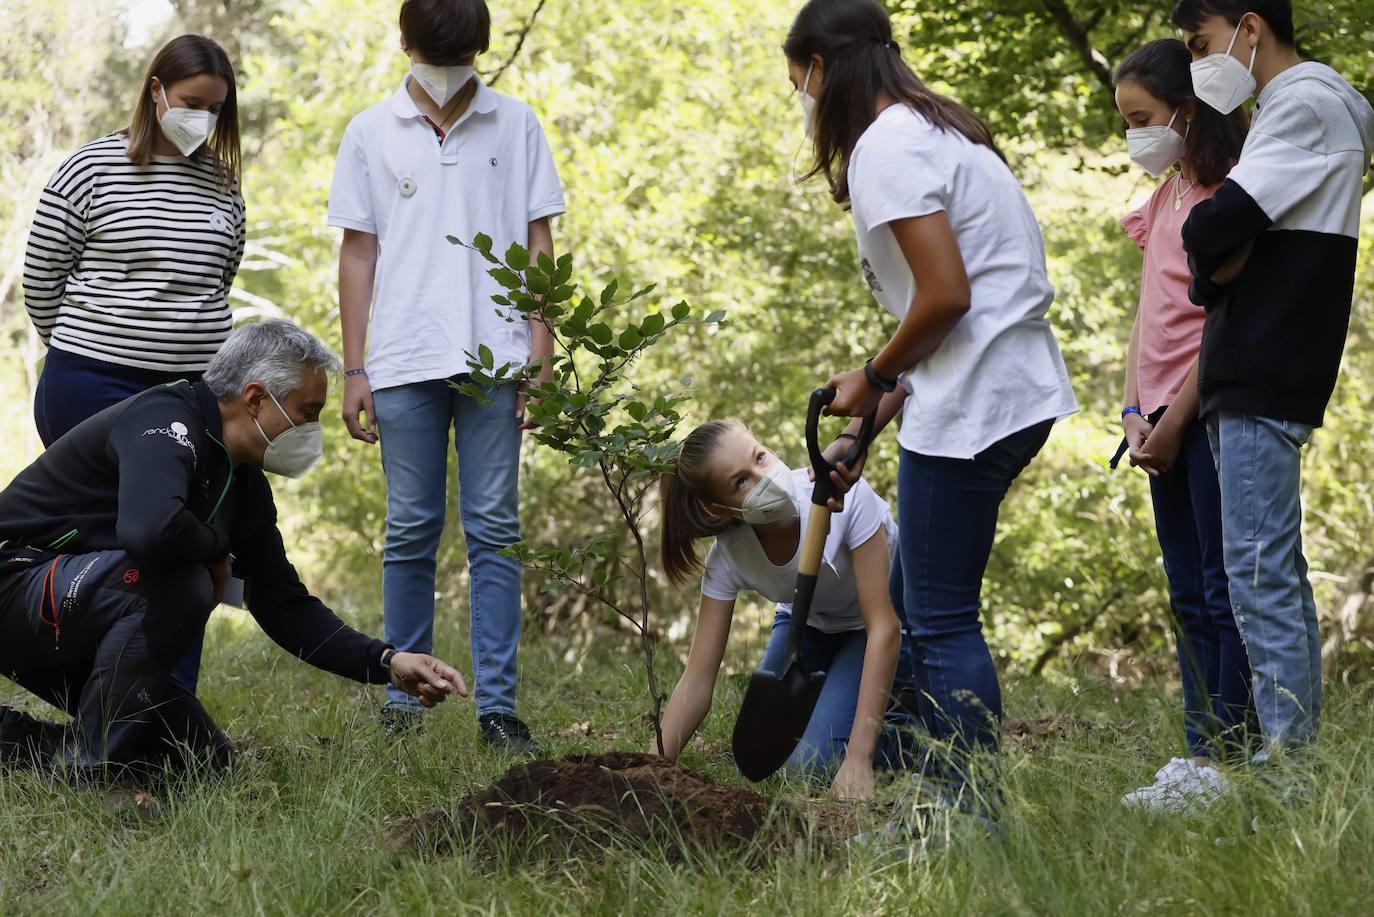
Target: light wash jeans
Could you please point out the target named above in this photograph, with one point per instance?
(414, 423)
(1258, 464)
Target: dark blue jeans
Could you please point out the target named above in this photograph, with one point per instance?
(73, 388)
(948, 515)
(1217, 703)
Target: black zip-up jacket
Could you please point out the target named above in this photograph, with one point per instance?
(151, 476)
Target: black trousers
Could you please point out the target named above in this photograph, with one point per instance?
(97, 636)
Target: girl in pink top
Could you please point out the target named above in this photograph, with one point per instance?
(1193, 146)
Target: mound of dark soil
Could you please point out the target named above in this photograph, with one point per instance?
(582, 804)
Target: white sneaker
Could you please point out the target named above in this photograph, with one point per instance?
(1181, 787)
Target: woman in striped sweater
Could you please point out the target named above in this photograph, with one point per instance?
(136, 242)
(134, 247)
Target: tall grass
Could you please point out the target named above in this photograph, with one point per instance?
(312, 820)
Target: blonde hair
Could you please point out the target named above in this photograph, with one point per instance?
(681, 492)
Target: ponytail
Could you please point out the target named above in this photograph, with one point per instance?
(680, 493)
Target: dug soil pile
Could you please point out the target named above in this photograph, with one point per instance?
(584, 804)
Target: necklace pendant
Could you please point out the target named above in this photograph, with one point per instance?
(1178, 203)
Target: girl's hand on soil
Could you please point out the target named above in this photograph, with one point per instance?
(854, 779)
(1138, 429)
(1162, 446)
(425, 677)
(854, 397)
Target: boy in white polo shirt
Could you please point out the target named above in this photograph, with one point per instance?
(445, 155)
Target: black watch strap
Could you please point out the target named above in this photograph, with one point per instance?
(387, 655)
(877, 381)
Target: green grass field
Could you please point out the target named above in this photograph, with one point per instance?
(308, 821)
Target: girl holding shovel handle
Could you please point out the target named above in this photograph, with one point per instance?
(728, 486)
(949, 245)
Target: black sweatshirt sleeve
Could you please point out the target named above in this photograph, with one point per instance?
(1218, 227)
(156, 446)
(295, 620)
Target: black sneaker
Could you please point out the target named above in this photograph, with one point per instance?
(505, 732)
(401, 719)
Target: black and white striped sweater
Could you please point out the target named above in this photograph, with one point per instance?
(132, 264)
(1273, 339)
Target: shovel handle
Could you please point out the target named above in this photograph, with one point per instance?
(824, 488)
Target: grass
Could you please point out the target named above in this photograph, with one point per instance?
(302, 825)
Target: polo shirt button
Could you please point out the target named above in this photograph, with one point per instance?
(407, 186)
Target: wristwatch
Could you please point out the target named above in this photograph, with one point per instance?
(387, 655)
(877, 381)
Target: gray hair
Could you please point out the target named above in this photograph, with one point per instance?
(276, 354)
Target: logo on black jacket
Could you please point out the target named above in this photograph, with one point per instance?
(177, 432)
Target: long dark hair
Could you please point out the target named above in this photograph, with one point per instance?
(1161, 68)
(680, 496)
(862, 62)
(179, 59)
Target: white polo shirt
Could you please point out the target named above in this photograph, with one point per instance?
(493, 174)
(737, 562)
(1000, 370)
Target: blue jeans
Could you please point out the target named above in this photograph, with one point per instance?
(72, 388)
(1211, 656)
(948, 513)
(414, 422)
(841, 656)
(1258, 462)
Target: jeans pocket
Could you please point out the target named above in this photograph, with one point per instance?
(1299, 433)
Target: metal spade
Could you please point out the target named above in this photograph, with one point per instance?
(777, 707)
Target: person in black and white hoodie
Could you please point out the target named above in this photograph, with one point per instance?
(1273, 261)
(136, 241)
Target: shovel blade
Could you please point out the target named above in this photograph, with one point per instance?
(773, 718)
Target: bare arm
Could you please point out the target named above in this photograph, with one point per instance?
(943, 298)
(541, 339)
(357, 272)
(691, 699)
(871, 563)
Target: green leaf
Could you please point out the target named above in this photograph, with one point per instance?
(715, 316)
(487, 358)
(601, 333)
(681, 311)
(653, 324)
(481, 242)
(608, 294)
(546, 264)
(507, 278)
(637, 410)
(538, 284)
(517, 258)
(630, 338)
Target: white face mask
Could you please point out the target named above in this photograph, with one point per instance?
(1157, 148)
(441, 83)
(770, 502)
(1222, 81)
(187, 128)
(808, 104)
(295, 450)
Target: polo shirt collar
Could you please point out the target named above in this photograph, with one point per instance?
(403, 106)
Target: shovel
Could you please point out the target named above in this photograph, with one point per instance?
(777, 706)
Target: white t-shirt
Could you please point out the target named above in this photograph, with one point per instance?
(494, 174)
(999, 370)
(737, 562)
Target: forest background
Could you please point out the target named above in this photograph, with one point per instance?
(677, 136)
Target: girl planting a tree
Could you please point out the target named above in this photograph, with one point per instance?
(728, 486)
(948, 245)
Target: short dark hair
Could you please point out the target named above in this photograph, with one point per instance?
(1214, 141)
(1189, 14)
(446, 31)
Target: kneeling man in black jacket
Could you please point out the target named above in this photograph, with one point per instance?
(115, 545)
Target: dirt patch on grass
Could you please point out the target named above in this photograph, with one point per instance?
(1049, 731)
(586, 804)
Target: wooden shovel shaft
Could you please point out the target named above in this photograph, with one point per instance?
(808, 566)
